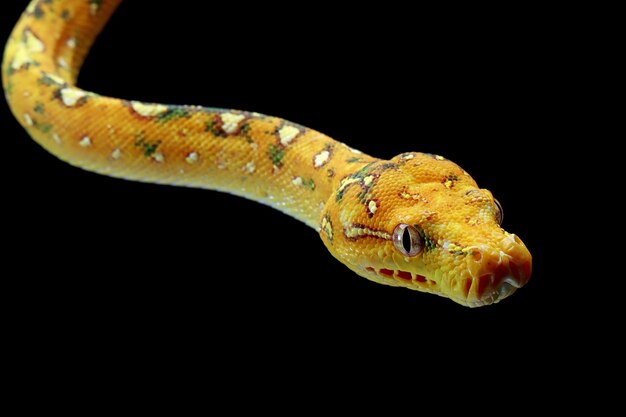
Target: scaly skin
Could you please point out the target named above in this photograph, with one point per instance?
(354, 200)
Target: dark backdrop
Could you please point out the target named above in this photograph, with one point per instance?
(130, 260)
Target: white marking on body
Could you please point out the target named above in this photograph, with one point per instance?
(367, 181)
(439, 158)
(321, 158)
(70, 96)
(85, 142)
(254, 146)
(93, 7)
(22, 58)
(148, 110)
(372, 206)
(413, 196)
(347, 181)
(71, 43)
(255, 114)
(158, 157)
(116, 154)
(56, 138)
(408, 156)
(297, 181)
(55, 78)
(29, 46)
(356, 151)
(32, 43)
(192, 158)
(327, 227)
(250, 167)
(230, 121)
(62, 63)
(287, 134)
(28, 119)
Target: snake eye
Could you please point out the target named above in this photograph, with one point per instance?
(407, 240)
(499, 212)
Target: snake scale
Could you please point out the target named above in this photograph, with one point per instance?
(417, 221)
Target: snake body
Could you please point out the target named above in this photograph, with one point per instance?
(417, 221)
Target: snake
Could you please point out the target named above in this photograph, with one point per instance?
(416, 221)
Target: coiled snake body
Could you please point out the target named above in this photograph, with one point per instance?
(417, 221)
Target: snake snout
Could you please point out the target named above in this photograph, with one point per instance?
(498, 272)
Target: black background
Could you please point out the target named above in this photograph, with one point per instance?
(141, 266)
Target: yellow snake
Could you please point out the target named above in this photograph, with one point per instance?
(417, 221)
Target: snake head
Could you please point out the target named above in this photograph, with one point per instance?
(420, 221)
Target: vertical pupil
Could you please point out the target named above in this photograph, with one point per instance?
(406, 240)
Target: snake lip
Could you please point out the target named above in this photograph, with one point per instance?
(404, 277)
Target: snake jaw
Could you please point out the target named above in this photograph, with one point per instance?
(481, 280)
(484, 274)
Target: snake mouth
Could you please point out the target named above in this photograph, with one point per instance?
(488, 289)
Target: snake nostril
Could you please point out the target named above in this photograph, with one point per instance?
(477, 255)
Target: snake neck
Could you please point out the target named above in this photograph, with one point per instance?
(267, 159)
